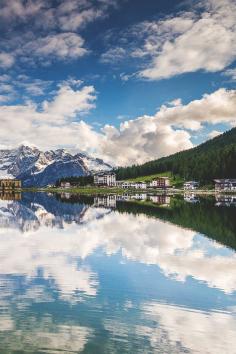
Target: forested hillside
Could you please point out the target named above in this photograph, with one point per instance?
(215, 158)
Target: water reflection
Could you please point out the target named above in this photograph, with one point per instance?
(95, 274)
(10, 195)
(225, 200)
(186, 330)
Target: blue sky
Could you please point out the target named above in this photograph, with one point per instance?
(124, 80)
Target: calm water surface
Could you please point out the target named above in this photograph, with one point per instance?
(141, 274)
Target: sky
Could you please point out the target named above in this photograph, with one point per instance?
(127, 81)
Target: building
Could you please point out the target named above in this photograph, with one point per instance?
(105, 179)
(119, 183)
(128, 185)
(191, 185)
(140, 185)
(10, 184)
(225, 184)
(65, 185)
(160, 182)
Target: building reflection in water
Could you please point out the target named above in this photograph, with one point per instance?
(10, 195)
(191, 198)
(225, 200)
(109, 201)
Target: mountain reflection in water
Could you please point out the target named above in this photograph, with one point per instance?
(116, 274)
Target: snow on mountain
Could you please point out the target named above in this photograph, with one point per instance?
(38, 168)
(93, 164)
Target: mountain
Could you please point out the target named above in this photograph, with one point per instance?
(38, 168)
(213, 159)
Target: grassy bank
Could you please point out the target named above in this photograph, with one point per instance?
(175, 180)
(113, 190)
(92, 190)
(78, 190)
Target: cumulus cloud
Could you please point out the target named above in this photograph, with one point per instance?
(69, 102)
(6, 60)
(69, 15)
(14, 9)
(113, 55)
(214, 133)
(150, 137)
(50, 120)
(181, 43)
(193, 43)
(48, 29)
(21, 87)
(57, 46)
(57, 123)
(74, 20)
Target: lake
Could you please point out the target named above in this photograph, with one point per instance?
(117, 274)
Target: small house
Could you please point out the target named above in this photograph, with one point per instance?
(225, 184)
(140, 196)
(160, 182)
(10, 184)
(65, 185)
(140, 185)
(127, 184)
(191, 185)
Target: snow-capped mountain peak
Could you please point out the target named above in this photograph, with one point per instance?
(37, 168)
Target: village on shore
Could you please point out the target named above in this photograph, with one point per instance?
(108, 179)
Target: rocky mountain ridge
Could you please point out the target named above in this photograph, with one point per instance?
(37, 168)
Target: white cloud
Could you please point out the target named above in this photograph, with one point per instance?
(21, 87)
(150, 137)
(19, 9)
(60, 46)
(113, 55)
(183, 42)
(48, 29)
(75, 20)
(193, 42)
(230, 73)
(68, 103)
(4, 98)
(49, 123)
(56, 123)
(214, 133)
(6, 60)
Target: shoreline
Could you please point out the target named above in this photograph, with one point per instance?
(113, 190)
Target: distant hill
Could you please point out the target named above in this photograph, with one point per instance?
(215, 158)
